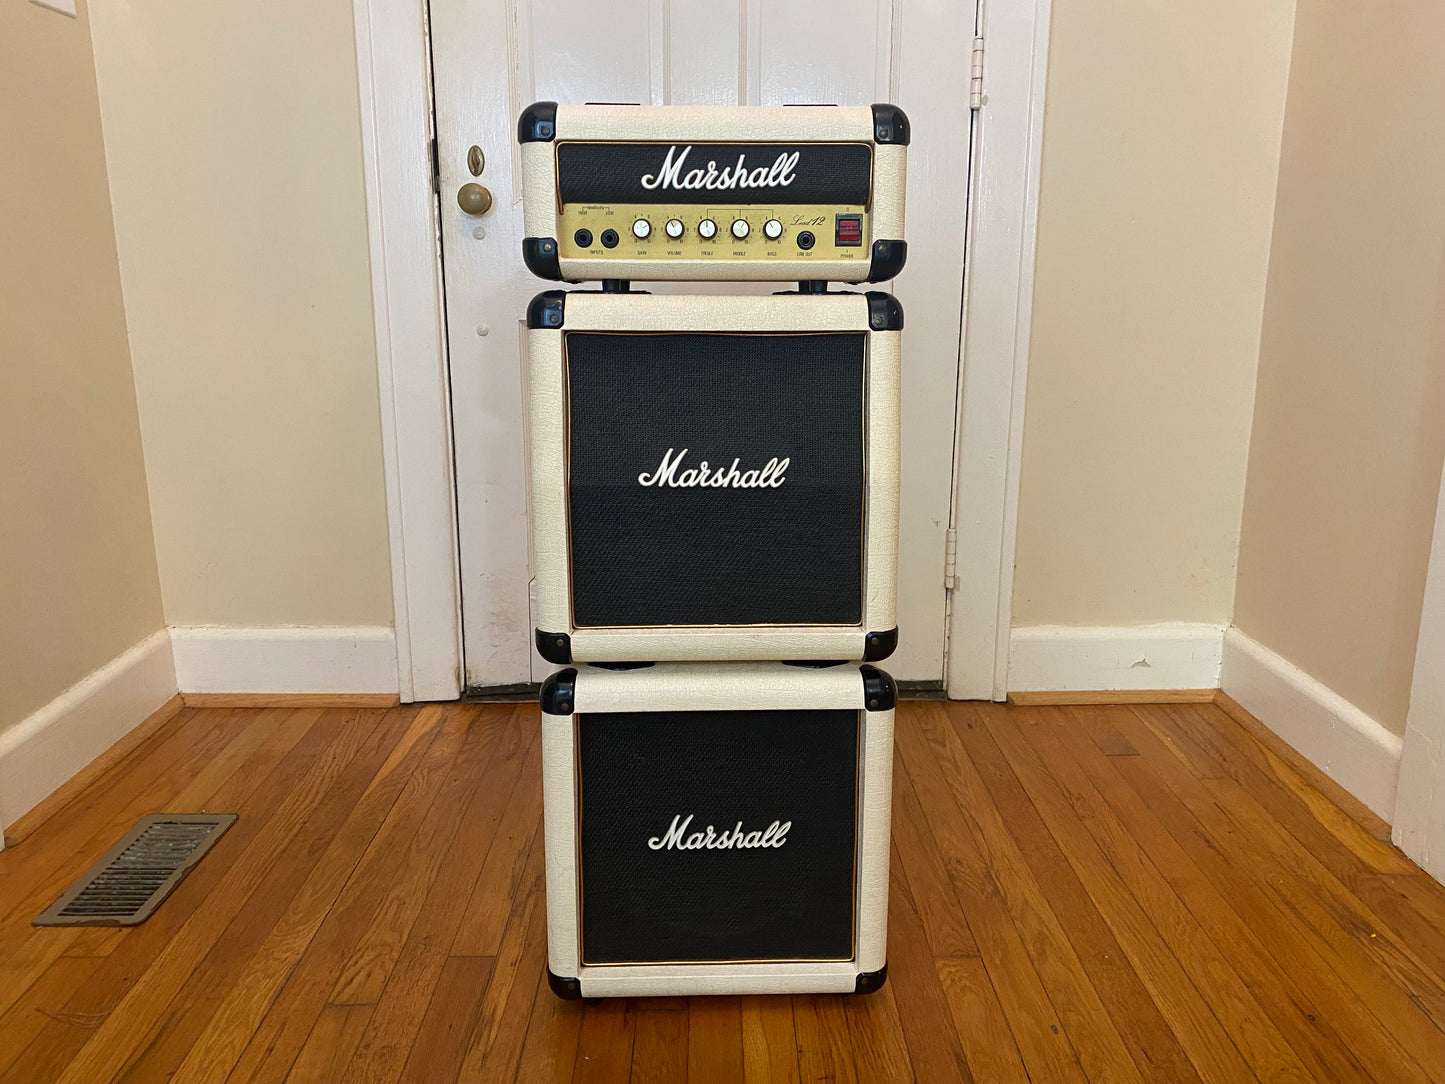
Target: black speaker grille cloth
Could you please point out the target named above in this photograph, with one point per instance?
(704, 555)
(640, 770)
(837, 173)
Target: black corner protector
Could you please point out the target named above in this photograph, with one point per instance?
(890, 125)
(538, 123)
(571, 989)
(888, 260)
(870, 982)
(879, 645)
(559, 693)
(547, 311)
(622, 665)
(540, 256)
(880, 691)
(554, 647)
(814, 664)
(884, 312)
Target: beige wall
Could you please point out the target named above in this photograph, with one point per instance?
(1349, 426)
(77, 569)
(1161, 143)
(233, 139)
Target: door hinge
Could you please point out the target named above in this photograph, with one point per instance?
(950, 560)
(975, 76)
(436, 168)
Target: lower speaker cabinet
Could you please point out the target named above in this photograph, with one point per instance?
(717, 829)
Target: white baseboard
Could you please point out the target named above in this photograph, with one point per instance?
(289, 659)
(1062, 658)
(1349, 746)
(45, 749)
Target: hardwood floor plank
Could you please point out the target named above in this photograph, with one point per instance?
(875, 1031)
(1092, 1031)
(934, 1050)
(1226, 1034)
(824, 1050)
(521, 959)
(1390, 977)
(450, 1019)
(480, 932)
(1334, 794)
(43, 1002)
(370, 959)
(714, 1040)
(239, 997)
(1045, 1047)
(96, 941)
(1163, 878)
(978, 1020)
(291, 750)
(1151, 1001)
(1333, 843)
(943, 920)
(1246, 886)
(62, 849)
(604, 1048)
(444, 737)
(119, 1037)
(552, 1029)
(1146, 893)
(246, 946)
(392, 1031)
(659, 1044)
(770, 1044)
(329, 1045)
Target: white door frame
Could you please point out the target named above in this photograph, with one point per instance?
(1419, 822)
(394, 82)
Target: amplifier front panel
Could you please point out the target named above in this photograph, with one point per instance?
(714, 192)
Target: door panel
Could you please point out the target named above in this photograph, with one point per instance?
(493, 57)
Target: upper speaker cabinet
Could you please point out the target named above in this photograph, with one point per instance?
(771, 193)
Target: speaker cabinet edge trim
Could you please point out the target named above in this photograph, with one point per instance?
(549, 421)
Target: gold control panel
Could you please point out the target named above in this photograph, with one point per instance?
(646, 231)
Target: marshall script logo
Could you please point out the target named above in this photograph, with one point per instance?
(774, 835)
(671, 175)
(670, 473)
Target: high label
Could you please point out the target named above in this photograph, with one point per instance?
(677, 837)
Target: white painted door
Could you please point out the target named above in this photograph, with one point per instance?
(492, 57)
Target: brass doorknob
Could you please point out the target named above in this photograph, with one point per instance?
(474, 199)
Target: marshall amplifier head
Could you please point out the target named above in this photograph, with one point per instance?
(717, 829)
(714, 478)
(713, 192)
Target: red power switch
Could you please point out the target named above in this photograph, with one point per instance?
(850, 230)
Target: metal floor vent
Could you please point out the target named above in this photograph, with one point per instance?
(131, 879)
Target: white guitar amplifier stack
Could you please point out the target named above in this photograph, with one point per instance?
(715, 535)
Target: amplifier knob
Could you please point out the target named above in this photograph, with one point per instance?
(772, 229)
(707, 229)
(641, 229)
(674, 228)
(740, 228)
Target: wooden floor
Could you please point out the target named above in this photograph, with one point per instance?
(1106, 894)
